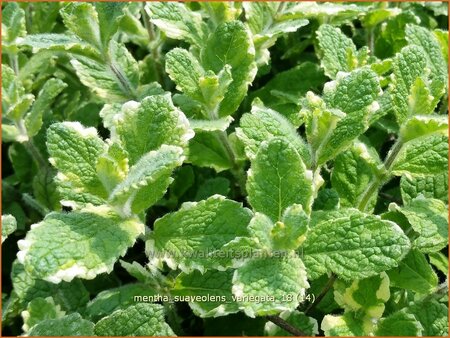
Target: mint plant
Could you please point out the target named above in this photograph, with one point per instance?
(225, 168)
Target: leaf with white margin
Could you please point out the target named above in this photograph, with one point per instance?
(82, 20)
(185, 238)
(408, 65)
(346, 325)
(419, 126)
(260, 228)
(354, 169)
(70, 325)
(263, 20)
(353, 245)
(423, 37)
(430, 186)
(74, 151)
(208, 294)
(177, 21)
(115, 81)
(277, 179)
(138, 320)
(9, 225)
(355, 94)
(60, 42)
(338, 51)
(81, 244)
(429, 218)
(13, 23)
(365, 296)
(211, 125)
(231, 44)
(269, 285)
(146, 125)
(112, 166)
(206, 149)
(147, 180)
(38, 310)
(263, 124)
(422, 156)
(297, 319)
(70, 297)
(290, 232)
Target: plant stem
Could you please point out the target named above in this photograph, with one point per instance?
(323, 293)
(376, 182)
(35, 154)
(154, 45)
(280, 322)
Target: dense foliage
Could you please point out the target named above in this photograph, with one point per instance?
(224, 168)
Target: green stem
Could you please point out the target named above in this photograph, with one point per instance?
(322, 293)
(377, 182)
(280, 322)
(35, 154)
(154, 45)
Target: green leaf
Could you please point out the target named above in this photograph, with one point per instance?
(260, 228)
(112, 166)
(440, 261)
(145, 126)
(431, 186)
(208, 294)
(353, 245)
(206, 149)
(38, 310)
(269, 285)
(50, 90)
(433, 317)
(82, 20)
(346, 325)
(137, 320)
(343, 115)
(420, 36)
(353, 171)
(115, 80)
(263, 20)
(68, 245)
(289, 233)
(108, 301)
(408, 65)
(338, 51)
(212, 186)
(277, 179)
(147, 180)
(185, 70)
(420, 126)
(211, 125)
(294, 82)
(178, 22)
(214, 89)
(365, 296)
(429, 218)
(13, 23)
(70, 297)
(422, 156)
(264, 124)
(109, 15)
(297, 319)
(230, 44)
(399, 324)
(185, 238)
(9, 225)
(414, 273)
(74, 151)
(61, 42)
(70, 325)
